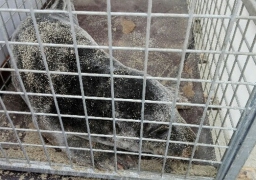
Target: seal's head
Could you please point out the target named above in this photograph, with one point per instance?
(179, 144)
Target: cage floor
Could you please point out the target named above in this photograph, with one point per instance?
(165, 32)
(16, 103)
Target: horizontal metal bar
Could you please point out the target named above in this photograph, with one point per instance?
(112, 151)
(110, 136)
(102, 13)
(41, 167)
(129, 76)
(136, 48)
(118, 119)
(122, 100)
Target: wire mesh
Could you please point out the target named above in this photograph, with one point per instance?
(216, 42)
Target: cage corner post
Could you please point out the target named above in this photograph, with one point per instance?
(242, 142)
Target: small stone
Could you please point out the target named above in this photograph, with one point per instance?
(188, 90)
(128, 26)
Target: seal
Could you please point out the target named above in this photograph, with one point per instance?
(56, 29)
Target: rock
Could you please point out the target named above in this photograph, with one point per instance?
(127, 25)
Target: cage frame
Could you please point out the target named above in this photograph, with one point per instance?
(233, 159)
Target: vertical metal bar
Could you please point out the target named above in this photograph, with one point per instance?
(17, 8)
(197, 10)
(14, 130)
(202, 6)
(220, 153)
(238, 62)
(197, 6)
(239, 80)
(183, 56)
(145, 77)
(247, 44)
(208, 37)
(220, 60)
(21, 83)
(218, 35)
(239, 66)
(51, 85)
(80, 79)
(112, 77)
(23, 3)
(242, 142)
(43, 1)
(4, 80)
(4, 154)
(225, 63)
(3, 26)
(204, 25)
(222, 120)
(222, 125)
(201, 38)
(7, 4)
(218, 43)
(37, 4)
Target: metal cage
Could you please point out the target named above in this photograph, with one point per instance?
(204, 49)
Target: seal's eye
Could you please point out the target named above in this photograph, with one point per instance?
(162, 134)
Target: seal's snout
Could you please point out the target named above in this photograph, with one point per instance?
(183, 136)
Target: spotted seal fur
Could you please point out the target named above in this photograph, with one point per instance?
(55, 28)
